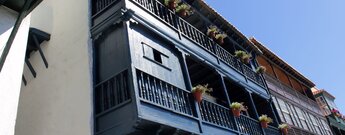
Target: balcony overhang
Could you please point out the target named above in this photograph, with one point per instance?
(18, 5)
(23, 7)
(335, 123)
(281, 63)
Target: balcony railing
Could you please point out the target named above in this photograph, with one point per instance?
(177, 23)
(272, 131)
(112, 92)
(162, 94)
(252, 75)
(216, 114)
(248, 125)
(100, 5)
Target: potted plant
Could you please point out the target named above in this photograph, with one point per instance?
(284, 128)
(211, 31)
(236, 108)
(199, 90)
(183, 10)
(243, 56)
(171, 4)
(220, 38)
(246, 58)
(240, 53)
(260, 70)
(336, 112)
(264, 120)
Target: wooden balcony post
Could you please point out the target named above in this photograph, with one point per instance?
(228, 98)
(189, 85)
(274, 112)
(254, 108)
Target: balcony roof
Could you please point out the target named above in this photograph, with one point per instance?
(219, 17)
(280, 62)
(323, 92)
(18, 5)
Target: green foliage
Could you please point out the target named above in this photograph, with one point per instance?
(282, 126)
(265, 118)
(244, 56)
(240, 53)
(212, 28)
(182, 7)
(221, 35)
(166, 2)
(260, 70)
(237, 105)
(202, 88)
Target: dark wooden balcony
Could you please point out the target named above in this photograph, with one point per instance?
(163, 103)
(150, 94)
(189, 32)
(216, 118)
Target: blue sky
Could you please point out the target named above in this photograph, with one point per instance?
(308, 34)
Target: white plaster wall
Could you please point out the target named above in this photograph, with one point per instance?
(11, 74)
(58, 101)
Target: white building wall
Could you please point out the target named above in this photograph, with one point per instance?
(59, 100)
(11, 73)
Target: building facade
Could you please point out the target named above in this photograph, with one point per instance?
(292, 95)
(330, 110)
(128, 67)
(148, 58)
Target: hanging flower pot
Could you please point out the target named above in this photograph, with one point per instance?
(199, 90)
(284, 131)
(246, 59)
(183, 10)
(264, 124)
(211, 31)
(236, 108)
(283, 128)
(264, 120)
(198, 96)
(239, 53)
(236, 112)
(220, 38)
(171, 4)
(260, 70)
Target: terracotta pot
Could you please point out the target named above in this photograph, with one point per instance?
(264, 124)
(236, 112)
(284, 131)
(212, 34)
(172, 5)
(182, 13)
(220, 41)
(246, 60)
(197, 96)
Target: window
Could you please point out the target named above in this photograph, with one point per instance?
(155, 55)
(302, 118)
(315, 124)
(309, 122)
(295, 116)
(326, 127)
(278, 108)
(284, 109)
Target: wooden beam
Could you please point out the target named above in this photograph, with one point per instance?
(32, 70)
(40, 50)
